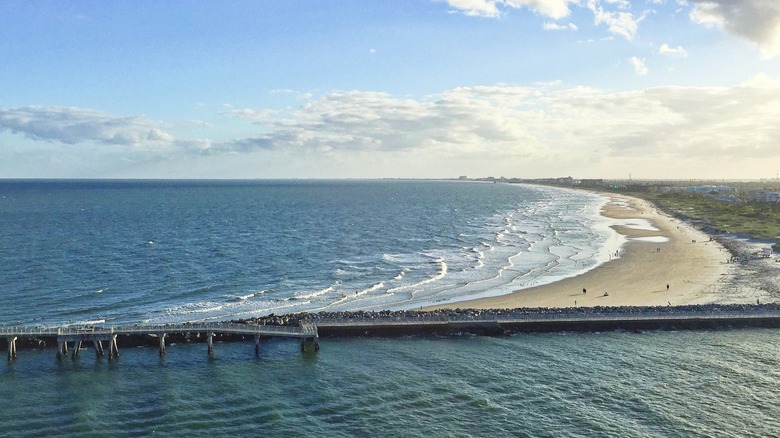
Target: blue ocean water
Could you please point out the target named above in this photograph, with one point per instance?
(654, 384)
(136, 251)
(150, 251)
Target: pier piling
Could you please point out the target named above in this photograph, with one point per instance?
(11, 348)
(62, 348)
(310, 344)
(161, 336)
(98, 347)
(113, 349)
(257, 345)
(210, 338)
(76, 349)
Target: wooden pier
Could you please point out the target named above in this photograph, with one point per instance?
(75, 336)
(70, 339)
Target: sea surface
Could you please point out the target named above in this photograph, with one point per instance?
(116, 252)
(653, 384)
(119, 252)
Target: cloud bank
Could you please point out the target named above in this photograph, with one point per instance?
(536, 122)
(77, 125)
(545, 127)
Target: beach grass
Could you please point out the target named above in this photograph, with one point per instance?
(759, 220)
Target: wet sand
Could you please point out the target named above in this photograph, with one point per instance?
(675, 254)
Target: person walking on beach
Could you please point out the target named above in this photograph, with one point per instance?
(667, 287)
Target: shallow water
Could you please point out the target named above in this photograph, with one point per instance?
(708, 383)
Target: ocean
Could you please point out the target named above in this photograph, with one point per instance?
(119, 252)
(654, 384)
(125, 252)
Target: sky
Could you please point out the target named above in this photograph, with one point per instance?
(646, 89)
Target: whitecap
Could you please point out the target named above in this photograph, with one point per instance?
(316, 293)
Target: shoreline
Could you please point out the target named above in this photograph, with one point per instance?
(668, 252)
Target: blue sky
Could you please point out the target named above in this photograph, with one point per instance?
(364, 89)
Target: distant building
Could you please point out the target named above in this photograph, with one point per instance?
(672, 189)
(764, 195)
(592, 182)
(566, 181)
(463, 177)
(713, 190)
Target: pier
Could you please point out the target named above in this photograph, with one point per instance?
(74, 337)
(309, 327)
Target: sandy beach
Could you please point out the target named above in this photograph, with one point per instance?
(668, 252)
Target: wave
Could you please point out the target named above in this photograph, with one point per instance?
(248, 296)
(189, 309)
(346, 297)
(442, 272)
(316, 293)
(401, 274)
(373, 288)
(271, 309)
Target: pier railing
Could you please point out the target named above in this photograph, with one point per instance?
(304, 330)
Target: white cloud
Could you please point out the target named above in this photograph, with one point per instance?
(493, 8)
(676, 52)
(549, 8)
(755, 20)
(555, 26)
(619, 23)
(621, 4)
(159, 135)
(618, 19)
(458, 121)
(536, 124)
(639, 65)
(77, 125)
(476, 8)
